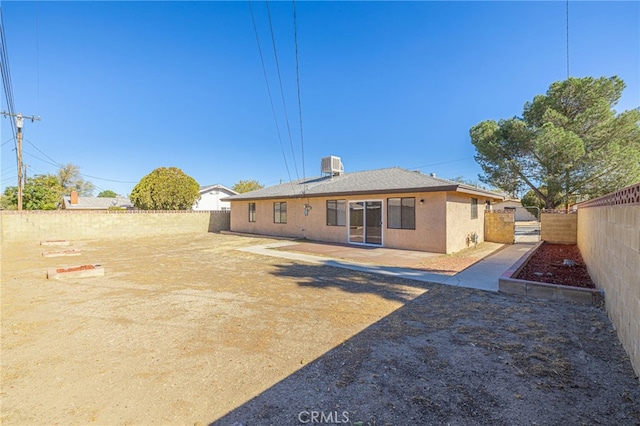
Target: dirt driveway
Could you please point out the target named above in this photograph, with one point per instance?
(188, 330)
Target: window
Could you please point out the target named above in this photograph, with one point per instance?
(336, 212)
(401, 213)
(474, 208)
(252, 212)
(280, 212)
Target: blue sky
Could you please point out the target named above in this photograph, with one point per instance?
(126, 87)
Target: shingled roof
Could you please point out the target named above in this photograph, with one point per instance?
(389, 180)
(96, 203)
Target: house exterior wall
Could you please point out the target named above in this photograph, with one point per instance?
(210, 200)
(442, 220)
(460, 225)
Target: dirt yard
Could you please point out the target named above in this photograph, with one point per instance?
(187, 330)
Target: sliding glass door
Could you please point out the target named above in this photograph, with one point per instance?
(365, 222)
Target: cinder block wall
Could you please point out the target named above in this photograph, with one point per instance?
(559, 228)
(609, 240)
(499, 227)
(41, 225)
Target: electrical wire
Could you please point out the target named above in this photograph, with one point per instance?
(567, 39)
(55, 163)
(295, 38)
(105, 179)
(38, 158)
(6, 75)
(284, 104)
(266, 79)
(6, 173)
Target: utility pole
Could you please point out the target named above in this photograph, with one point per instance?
(19, 124)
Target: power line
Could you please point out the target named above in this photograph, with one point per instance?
(38, 158)
(7, 141)
(9, 182)
(295, 38)
(567, 39)
(284, 105)
(6, 75)
(57, 164)
(43, 153)
(37, 58)
(266, 79)
(106, 180)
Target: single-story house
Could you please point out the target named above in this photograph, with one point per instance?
(75, 202)
(390, 207)
(211, 198)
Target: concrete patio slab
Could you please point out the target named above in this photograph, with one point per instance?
(483, 275)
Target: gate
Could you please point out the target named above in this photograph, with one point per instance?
(527, 224)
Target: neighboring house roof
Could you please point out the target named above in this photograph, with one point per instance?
(208, 188)
(96, 203)
(390, 180)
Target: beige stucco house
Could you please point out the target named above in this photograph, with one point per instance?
(391, 207)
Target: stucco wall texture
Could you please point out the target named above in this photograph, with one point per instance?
(32, 225)
(442, 223)
(609, 241)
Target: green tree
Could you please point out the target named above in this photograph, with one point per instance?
(247, 185)
(531, 199)
(107, 194)
(571, 142)
(41, 192)
(70, 179)
(165, 189)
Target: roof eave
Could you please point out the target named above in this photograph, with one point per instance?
(443, 188)
(481, 192)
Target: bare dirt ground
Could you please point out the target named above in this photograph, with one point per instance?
(187, 330)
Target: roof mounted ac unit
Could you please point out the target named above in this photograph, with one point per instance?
(331, 165)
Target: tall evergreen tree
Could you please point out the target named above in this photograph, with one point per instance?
(571, 142)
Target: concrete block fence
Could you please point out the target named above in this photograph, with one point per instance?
(79, 225)
(559, 227)
(609, 240)
(499, 226)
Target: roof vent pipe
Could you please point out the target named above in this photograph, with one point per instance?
(432, 174)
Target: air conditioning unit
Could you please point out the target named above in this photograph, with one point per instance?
(331, 165)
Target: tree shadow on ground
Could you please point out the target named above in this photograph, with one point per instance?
(350, 281)
(458, 356)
